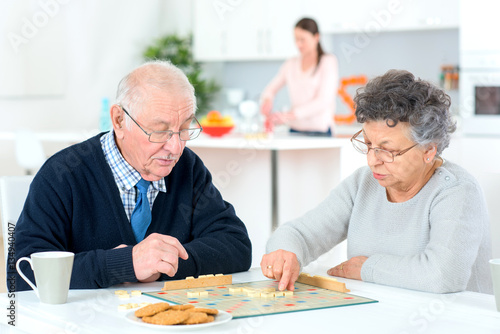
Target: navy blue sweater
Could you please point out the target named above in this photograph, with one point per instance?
(74, 205)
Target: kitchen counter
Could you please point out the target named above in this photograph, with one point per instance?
(263, 142)
(272, 180)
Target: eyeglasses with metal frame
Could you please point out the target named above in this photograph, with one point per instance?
(164, 136)
(381, 154)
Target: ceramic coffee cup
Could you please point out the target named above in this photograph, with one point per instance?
(495, 276)
(52, 275)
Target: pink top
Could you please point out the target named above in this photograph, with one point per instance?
(312, 93)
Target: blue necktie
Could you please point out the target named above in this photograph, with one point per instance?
(141, 216)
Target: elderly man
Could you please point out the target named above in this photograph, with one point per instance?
(129, 203)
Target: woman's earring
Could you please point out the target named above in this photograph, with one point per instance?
(428, 159)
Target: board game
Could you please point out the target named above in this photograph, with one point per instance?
(241, 305)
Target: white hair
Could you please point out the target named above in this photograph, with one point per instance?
(134, 88)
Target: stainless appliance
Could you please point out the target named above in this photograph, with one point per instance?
(480, 100)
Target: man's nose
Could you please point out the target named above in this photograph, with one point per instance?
(174, 144)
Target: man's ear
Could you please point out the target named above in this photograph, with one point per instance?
(117, 119)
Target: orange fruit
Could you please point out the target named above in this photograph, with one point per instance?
(214, 116)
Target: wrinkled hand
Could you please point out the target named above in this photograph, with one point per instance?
(282, 266)
(282, 117)
(349, 269)
(157, 254)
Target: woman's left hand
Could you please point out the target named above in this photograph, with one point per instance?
(349, 269)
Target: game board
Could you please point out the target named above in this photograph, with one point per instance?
(306, 297)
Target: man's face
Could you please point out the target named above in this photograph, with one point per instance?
(161, 112)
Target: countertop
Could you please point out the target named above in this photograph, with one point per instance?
(268, 142)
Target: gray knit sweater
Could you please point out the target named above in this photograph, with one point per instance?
(438, 241)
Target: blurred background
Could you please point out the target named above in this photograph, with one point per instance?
(61, 60)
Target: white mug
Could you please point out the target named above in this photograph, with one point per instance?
(52, 275)
(495, 276)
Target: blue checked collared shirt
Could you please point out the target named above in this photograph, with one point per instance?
(126, 177)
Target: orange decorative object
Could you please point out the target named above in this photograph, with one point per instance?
(347, 99)
(217, 131)
(214, 116)
(216, 125)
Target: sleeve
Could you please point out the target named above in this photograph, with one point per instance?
(455, 236)
(45, 225)
(320, 229)
(276, 83)
(325, 96)
(220, 242)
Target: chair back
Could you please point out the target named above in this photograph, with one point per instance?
(13, 193)
(30, 154)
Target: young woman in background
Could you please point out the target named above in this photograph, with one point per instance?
(312, 80)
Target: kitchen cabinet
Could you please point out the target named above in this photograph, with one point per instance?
(479, 25)
(232, 30)
(422, 14)
(244, 30)
(374, 16)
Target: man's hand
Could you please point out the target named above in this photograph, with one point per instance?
(282, 266)
(157, 254)
(349, 269)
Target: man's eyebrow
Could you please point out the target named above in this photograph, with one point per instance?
(190, 118)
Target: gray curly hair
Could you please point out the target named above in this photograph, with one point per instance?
(397, 96)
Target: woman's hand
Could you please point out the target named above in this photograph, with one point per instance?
(349, 269)
(282, 266)
(266, 107)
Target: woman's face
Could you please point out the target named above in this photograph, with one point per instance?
(408, 170)
(306, 42)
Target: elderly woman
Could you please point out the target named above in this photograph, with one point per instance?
(411, 218)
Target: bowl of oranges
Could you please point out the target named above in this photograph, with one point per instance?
(216, 125)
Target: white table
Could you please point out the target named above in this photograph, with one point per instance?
(397, 311)
(270, 181)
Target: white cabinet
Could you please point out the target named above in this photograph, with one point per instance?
(479, 26)
(258, 29)
(374, 16)
(423, 14)
(244, 30)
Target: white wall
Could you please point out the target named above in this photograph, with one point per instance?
(96, 42)
(61, 57)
